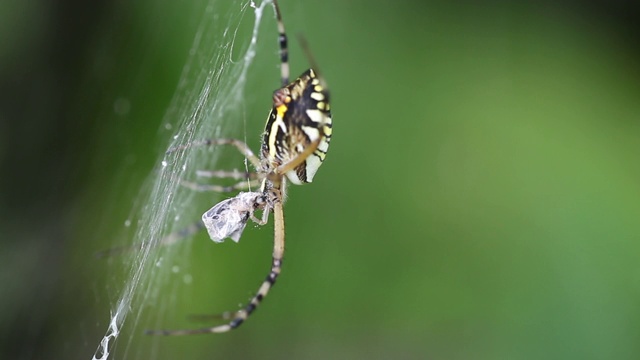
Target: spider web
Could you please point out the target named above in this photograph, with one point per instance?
(205, 105)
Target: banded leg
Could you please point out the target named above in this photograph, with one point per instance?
(284, 50)
(241, 316)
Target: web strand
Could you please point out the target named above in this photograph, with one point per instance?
(209, 94)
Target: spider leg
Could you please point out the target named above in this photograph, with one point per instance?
(293, 163)
(227, 315)
(234, 174)
(276, 265)
(284, 51)
(250, 179)
(312, 60)
(240, 145)
(264, 219)
(243, 185)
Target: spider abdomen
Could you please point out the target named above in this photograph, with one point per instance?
(301, 115)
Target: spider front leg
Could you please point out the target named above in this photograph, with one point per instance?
(276, 268)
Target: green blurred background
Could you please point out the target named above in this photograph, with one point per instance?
(480, 199)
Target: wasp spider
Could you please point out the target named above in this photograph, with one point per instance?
(294, 145)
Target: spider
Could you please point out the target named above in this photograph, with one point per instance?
(294, 145)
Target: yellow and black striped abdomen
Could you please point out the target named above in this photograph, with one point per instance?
(301, 115)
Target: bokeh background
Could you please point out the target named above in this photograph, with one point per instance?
(480, 199)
